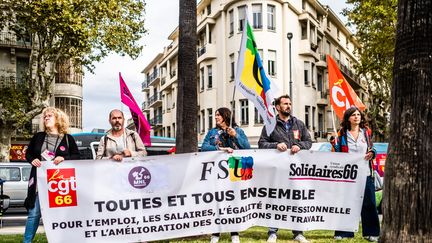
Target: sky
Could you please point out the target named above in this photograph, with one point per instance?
(101, 92)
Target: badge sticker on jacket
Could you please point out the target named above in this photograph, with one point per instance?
(296, 134)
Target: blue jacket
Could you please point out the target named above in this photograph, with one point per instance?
(215, 135)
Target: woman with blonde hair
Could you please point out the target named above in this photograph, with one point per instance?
(53, 144)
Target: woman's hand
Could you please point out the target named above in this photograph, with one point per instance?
(231, 131)
(58, 160)
(36, 162)
(369, 156)
(226, 149)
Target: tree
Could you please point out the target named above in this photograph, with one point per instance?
(407, 212)
(375, 24)
(186, 134)
(80, 32)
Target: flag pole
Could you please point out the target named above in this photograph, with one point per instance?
(333, 120)
(232, 107)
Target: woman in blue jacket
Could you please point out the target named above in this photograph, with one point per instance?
(356, 137)
(227, 137)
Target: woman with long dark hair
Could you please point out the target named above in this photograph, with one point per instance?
(227, 137)
(355, 137)
(52, 144)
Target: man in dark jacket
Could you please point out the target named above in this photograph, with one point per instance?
(291, 134)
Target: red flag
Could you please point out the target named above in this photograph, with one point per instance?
(342, 95)
(141, 123)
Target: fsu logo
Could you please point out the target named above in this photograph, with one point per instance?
(139, 177)
(240, 168)
(61, 188)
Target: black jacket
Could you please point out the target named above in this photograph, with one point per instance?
(297, 135)
(34, 151)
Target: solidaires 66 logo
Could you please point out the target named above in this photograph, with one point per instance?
(62, 187)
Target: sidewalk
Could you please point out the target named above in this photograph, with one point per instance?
(15, 225)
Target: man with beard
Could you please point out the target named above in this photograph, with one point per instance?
(289, 134)
(120, 142)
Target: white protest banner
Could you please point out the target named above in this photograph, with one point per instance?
(171, 196)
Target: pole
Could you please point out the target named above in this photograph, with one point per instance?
(290, 36)
(232, 106)
(291, 95)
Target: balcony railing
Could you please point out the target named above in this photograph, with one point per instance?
(173, 73)
(154, 98)
(157, 120)
(9, 81)
(201, 51)
(7, 38)
(144, 85)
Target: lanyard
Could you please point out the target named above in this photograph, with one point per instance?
(55, 145)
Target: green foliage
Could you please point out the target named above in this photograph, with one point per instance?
(81, 31)
(254, 234)
(375, 24)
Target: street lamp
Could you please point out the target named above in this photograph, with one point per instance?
(290, 36)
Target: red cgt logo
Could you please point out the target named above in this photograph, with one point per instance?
(61, 188)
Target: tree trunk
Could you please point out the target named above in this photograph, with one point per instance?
(186, 134)
(5, 142)
(408, 176)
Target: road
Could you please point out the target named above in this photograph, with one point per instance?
(14, 220)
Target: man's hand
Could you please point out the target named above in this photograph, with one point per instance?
(36, 162)
(295, 149)
(127, 153)
(117, 157)
(282, 147)
(58, 160)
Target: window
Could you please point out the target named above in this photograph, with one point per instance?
(232, 70)
(304, 4)
(209, 9)
(271, 63)
(210, 118)
(202, 78)
(338, 34)
(338, 56)
(328, 24)
(168, 131)
(73, 108)
(307, 110)
(313, 117)
(10, 173)
(258, 119)
(320, 81)
(174, 131)
(199, 123)
(312, 35)
(313, 74)
(320, 119)
(306, 73)
(303, 30)
(271, 17)
(242, 17)
(328, 47)
(244, 112)
(209, 76)
(231, 22)
(203, 121)
(257, 16)
(65, 72)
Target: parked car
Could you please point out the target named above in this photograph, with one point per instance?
(15, 176)
(89, 142)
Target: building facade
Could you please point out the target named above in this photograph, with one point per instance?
(14, 62)
(314, 31)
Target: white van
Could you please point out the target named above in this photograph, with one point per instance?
(15, 176)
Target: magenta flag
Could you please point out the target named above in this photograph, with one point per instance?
(141, 123)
